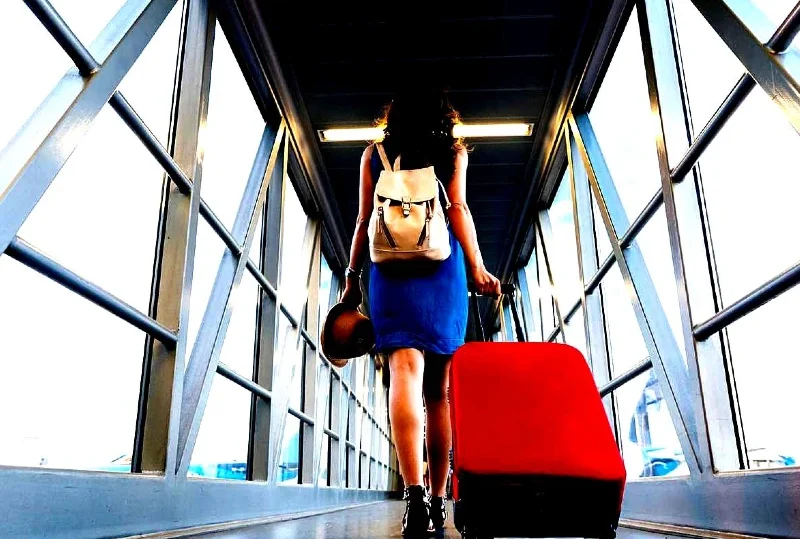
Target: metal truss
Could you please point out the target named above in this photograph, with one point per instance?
(699, 390)
(176, 381)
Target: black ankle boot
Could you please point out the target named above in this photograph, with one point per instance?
(438, 514)
(417, 519)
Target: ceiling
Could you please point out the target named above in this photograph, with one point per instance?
(500, 60)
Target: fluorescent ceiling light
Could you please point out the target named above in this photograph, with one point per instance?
(460, 130)
(493, 130)
(350, 133)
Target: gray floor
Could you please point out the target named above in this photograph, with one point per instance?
(372, 521)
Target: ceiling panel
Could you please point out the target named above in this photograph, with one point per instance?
(525, 73)
(481, 105)
(432, 38)
(498, 60)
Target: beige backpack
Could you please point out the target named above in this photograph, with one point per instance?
(407, 221)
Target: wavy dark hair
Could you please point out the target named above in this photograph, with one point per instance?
(418, 126)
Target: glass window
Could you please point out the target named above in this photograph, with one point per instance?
(117, 256)
(653, 242)
(625, 340)
(710, 68)
(751, 199)
(766, 367)
(576, 332)
(70, 383)
(289, 465)
(221, 447)
(81, 223)
(549, 322)
(88, 18)
(232, 136)
(322, 477)
(563, 252)
(293, 291)
(22, 33)
(238, 350)
(208, 255)
(325, 279)
(148, 85)
(534, 325)
(650, 446)
(775, 11)
(293, 269)
(624, 126)
(604, 249)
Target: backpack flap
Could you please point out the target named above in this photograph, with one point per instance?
(413, 186)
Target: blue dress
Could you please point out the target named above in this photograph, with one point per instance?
(422, 306)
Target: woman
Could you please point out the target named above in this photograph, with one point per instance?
(420, 311)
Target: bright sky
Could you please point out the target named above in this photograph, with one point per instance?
(71, 371)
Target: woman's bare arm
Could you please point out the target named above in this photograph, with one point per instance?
(464, 228)
(358, 247)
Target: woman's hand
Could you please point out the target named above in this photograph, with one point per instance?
(352, 295)
(486, 284)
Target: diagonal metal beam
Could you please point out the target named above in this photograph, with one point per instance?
(211, 335)
(314, 381)
(286, 356)
(596, 341)
(33, 158)
(546, 238)
(686, 235)
(653, 323)
(739, 23)
(259, 445)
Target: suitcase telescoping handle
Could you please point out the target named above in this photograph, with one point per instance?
(508, 290)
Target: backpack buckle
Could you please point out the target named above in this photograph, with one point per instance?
(406, 207)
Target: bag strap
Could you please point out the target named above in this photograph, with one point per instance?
(387, 166)
(385, 160)
(444, 193)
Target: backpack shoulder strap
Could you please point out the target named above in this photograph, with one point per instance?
(384, 159)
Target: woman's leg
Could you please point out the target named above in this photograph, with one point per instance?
(435, 382)
(405, 411)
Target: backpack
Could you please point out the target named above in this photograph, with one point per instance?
(407, 221)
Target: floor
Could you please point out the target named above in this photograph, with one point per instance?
(380, 520)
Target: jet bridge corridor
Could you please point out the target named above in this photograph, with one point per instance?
(178, 194)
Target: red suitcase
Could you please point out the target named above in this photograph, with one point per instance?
(534, 454)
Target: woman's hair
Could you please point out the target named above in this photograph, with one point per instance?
(418, 126)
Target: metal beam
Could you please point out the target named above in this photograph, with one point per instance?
(302, 133)
(211, 335)
(26, 254)
(591, 300)
(611, 386)
(546, 233)
(738, 23)
(652, 320)
(260, 445)
(155, 442)
(313, 404)
(752, 301)
(33, 158)
(290, 352)
(672, 136)
(244, 383)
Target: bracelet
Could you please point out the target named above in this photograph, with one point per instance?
(350, 272)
